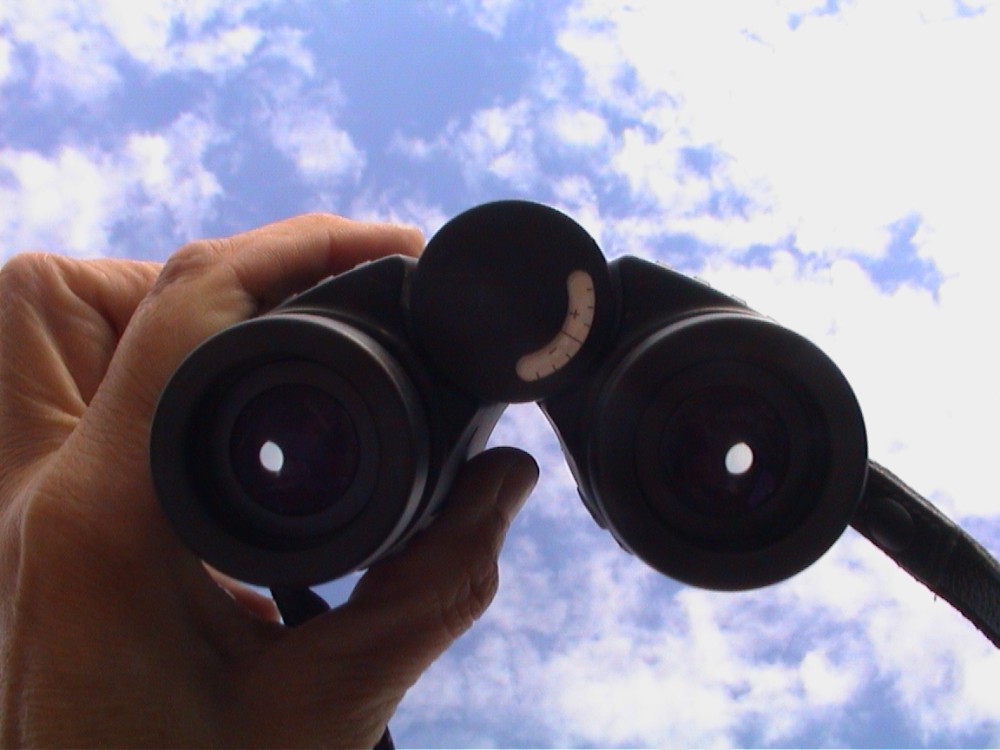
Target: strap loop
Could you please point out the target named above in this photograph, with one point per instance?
(932, 548)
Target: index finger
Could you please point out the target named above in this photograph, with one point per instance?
(277, 260)
(209, 285)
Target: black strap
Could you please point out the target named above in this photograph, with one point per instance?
(931, 548)
(299, 605)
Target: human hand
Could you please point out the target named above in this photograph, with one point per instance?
(114, 634)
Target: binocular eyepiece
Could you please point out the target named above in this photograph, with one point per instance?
(722, 449)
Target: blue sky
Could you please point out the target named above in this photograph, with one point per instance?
(834, 163)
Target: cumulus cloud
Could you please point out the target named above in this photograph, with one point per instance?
(72, 54)
(498, 141)
(578, 127)
(513, 143)
(75, 47)
(158, 180)
(489, 16)
(576, 195)
(412, 211)
(839, 126)
(36, 186)
(319, 148)
(603, 63)
(176, 186)
(6, 60)
(304, 127)
(630, 659)
(166, 35)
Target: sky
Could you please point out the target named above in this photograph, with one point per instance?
(833, 162)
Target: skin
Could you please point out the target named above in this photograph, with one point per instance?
(111, 632)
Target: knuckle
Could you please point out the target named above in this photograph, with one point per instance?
(318, 216)
(192, 261)
(54, 537)
(496, 524)
(470, 598)
(27, 276)
(475, 586)
(485, 533)
(50, 524)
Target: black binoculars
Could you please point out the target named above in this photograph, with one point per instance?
(722, 449)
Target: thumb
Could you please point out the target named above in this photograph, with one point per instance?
(407, 610)
(449, 574)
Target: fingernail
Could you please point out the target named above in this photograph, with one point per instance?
(518, 482)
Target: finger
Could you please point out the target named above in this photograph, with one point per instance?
(258, 605)
(407, 610)
(277, 260)
(62, 318)
(88, 315)
(60, 321)
(482, 504)
(211, 284)
(270, 273)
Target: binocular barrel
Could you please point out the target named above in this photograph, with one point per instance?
(722, 449)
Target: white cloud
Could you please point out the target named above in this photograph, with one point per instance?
(175, 182)
(73, 54)
(838, 116)
(709, 670)
(6, 60)
(319, 149)
(601, 650)
(824, 681)
(600, 57)
(209, 36)
(414, 147)
(77, 45)
(508, 141)
(158, 178)
(499, 141)
(937, 664)
(289, 45)
(301, 119)
(489, 16)
(578, 127)
(224, 51)
(655, 166)
(575, 195)
(39, 190)
(426, 217)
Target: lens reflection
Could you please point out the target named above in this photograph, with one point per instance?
(294, 450)
(724, 451)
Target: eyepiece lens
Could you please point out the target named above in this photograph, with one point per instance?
(739, 459)
(294, 450)
(724, 451)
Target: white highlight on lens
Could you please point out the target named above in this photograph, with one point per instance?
(558, 352)
(739, 459)
(271, 457)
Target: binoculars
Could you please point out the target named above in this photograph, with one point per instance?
(722, 449)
